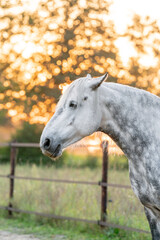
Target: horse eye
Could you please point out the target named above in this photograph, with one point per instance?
(85, 98)
(72, 104)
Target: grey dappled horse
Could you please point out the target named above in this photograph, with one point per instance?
(130, 116)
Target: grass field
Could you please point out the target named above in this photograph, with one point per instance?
(72, 200)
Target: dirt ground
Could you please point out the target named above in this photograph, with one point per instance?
(4, 235)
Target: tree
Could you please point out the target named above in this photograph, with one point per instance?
(144, 34)
(48, 43)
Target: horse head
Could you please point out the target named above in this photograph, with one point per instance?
(77, 115)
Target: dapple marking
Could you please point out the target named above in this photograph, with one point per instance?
(130, 116)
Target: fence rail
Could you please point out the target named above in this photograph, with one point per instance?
(36, 145)
(101, 223)
(67, 181)
(103, 184)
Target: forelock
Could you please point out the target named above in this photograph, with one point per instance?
(78, 86)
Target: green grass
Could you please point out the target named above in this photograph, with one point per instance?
(71, 231)
(81, 201)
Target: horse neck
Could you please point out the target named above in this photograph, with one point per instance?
(128, 117)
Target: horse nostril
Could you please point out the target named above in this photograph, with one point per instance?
(47, 144)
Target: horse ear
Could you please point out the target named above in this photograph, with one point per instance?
(89, 76)
(96, 82)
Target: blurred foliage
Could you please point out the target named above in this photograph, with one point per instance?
(46, 43)
(118, 162)
(144, 34)
(25, 156)
(4, 120)
(27, 133)
(31, 133)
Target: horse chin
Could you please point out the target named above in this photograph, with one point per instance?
(53, 156)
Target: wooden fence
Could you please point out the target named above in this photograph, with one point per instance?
(103, 184)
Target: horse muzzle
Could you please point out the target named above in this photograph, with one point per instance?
(50, 148)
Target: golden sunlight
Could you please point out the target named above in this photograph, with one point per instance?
(45, 45)
(63, 87)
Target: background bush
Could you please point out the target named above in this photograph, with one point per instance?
(31, 133)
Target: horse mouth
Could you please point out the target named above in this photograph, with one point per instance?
(57, 151)
(53, 155)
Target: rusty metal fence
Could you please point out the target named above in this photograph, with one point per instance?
(103, 184)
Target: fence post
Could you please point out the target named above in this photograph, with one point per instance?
(104, 195)
(12, 173)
